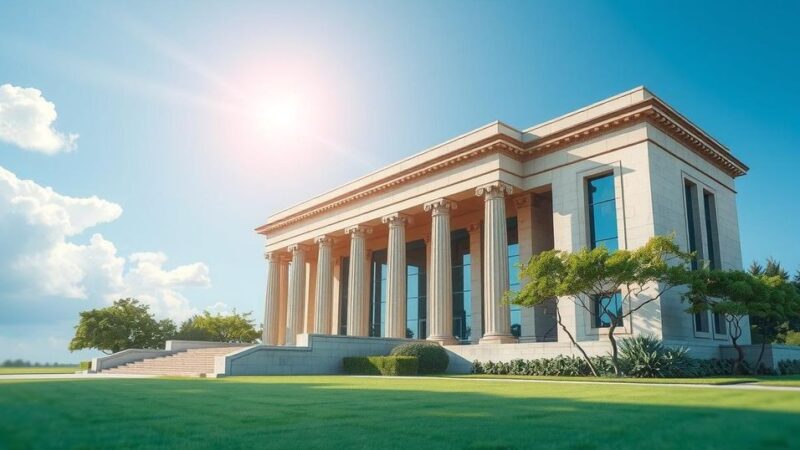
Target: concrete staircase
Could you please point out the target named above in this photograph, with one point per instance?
(196, 362)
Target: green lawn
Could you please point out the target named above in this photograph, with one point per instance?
(36, 370)
(350, 412)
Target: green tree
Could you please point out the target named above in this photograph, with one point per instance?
(639, 276)
(776, 324)
(236, 327)
(772, 269)
(767, 300)
(127, 323)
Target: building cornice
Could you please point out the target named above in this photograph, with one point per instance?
(651, 110)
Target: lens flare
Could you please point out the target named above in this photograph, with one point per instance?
(279, 115)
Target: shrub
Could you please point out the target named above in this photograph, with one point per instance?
(85, 365)
(380, 365)
(789, 367)
(558, 366)
(432, 357)
(647, 357)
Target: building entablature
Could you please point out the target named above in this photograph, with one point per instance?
(500, 151)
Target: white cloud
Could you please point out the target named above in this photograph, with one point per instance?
(26, 120)
(41, 255)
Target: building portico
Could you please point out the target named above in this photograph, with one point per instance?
(375, 253)
(428, 247)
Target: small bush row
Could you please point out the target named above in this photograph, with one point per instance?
(381, 365)
(575, 366)
(639, 357)
(789, 367)
(558, 366)
(85, 365)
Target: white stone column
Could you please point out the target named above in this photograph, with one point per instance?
(297, 291)
(311, 292)
(324, 294)
(336, 306)
(357, 282)
(272, 301)
(396, 276)
(283, 263)
(440, 296)
(495, 263)
(476, 271)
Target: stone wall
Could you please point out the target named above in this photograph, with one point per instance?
(314, 354)
(773, 354)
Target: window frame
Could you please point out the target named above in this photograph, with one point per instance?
(596, 316)
(582, 178)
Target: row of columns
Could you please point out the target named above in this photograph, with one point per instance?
(440, 284)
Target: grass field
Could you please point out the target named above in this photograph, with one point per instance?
(347, 412)
(36, 370)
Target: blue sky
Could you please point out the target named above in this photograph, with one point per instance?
(176, 163)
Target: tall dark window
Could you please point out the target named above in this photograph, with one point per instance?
(607, 309)
(720, 325)
(701, 322)
(462, 290)
(602, 212)
(416, 290)
(377, 297)
(343, 276)
(691, 220)
(513, 274)
(709, 206)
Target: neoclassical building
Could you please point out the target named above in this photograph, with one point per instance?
(426, 248)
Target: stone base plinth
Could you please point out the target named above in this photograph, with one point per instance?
(499, 339)
(443, 340)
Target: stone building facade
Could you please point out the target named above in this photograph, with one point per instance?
(426, 247)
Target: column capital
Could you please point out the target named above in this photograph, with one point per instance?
(324, 240)
(279, 257)
(440, 206)
(358, 230)
(495, 189)
(297, 248)
(474, 227)
(396, 219)
(272, 256)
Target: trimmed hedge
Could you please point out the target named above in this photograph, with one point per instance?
(85, 365)
(381, 365)
(575, 366)
(639, 357)
(789, 366)
(558, 366)
(432, 357)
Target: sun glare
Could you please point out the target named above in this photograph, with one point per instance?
(279, 115)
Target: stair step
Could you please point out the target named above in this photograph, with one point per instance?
(194, 362)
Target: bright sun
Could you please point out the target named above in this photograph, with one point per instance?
(279, 114)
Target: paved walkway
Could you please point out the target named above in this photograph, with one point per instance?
(742, 386)
(69, 376)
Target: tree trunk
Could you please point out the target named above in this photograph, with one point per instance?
(737, 364)
(614, 350)
(760, 355)
(574, 342)
(735, 333)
